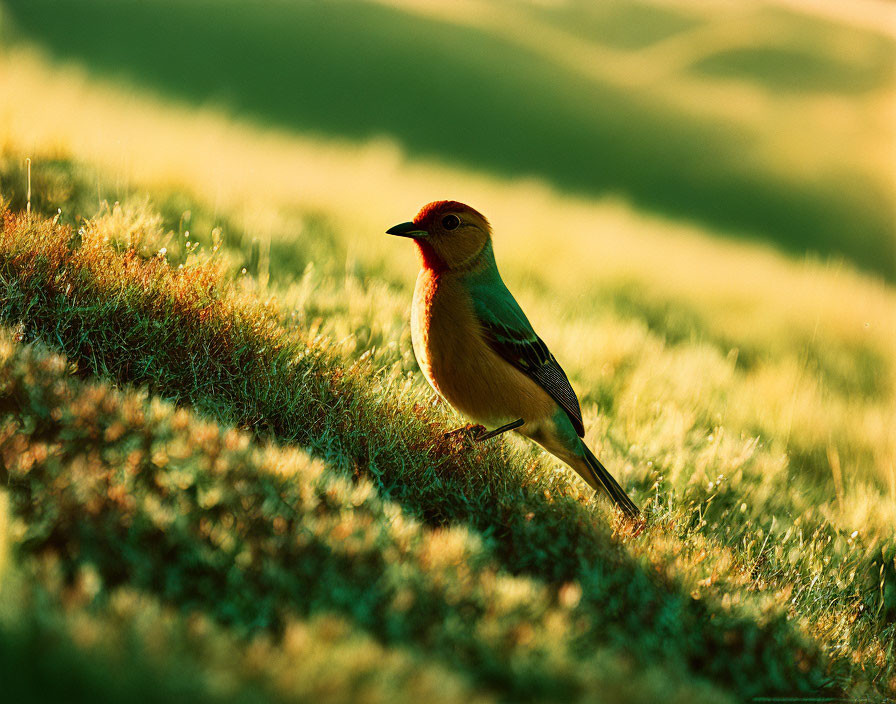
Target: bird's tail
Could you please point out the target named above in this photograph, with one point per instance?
(611, 487)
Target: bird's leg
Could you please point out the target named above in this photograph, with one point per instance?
(483, 436)
(468, 431)
(479, 433)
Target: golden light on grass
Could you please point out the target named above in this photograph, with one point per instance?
(28, 185)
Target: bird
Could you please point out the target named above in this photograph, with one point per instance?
(478, 350)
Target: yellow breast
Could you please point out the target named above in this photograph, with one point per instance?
(459, 363)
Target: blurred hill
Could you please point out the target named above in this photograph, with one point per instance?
(761, 121)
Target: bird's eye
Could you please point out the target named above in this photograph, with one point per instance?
(450, 222)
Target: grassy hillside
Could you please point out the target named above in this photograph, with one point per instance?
(124, 500)
(759, 121)
(220, 467)
(737, 572)
(167, 523)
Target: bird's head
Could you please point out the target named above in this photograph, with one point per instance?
(449, 234)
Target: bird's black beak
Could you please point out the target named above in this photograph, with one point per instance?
(407, 229)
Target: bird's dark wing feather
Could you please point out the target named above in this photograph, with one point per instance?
(528, 353)
(511, 335)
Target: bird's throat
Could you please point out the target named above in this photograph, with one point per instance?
(428, 257)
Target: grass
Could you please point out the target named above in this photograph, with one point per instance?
(820, 363)
(231, 356)
(65, 633)
(679, 113)
(136, 497)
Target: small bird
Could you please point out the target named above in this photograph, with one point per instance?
(478, 350)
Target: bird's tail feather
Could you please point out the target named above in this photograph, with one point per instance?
(610, 486)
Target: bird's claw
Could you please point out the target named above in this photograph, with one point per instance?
(629, 526)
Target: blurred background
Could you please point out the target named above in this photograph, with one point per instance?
(771, 121)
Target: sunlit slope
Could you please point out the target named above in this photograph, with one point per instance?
(760, 121)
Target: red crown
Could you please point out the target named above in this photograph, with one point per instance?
(433, 211)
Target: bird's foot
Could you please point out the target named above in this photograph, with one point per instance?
(628, 526)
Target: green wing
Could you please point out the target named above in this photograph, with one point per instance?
(510, 334)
